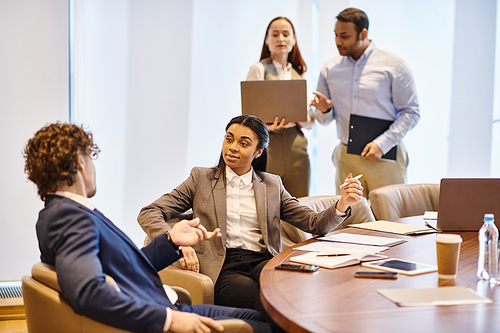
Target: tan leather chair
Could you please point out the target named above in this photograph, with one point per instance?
(46, 311)
(402, 200)
(199, 286)
(290, 235)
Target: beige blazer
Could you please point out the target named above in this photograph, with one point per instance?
(205, 192)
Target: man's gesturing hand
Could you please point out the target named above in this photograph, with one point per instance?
(191, 232)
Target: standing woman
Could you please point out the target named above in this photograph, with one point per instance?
(281, 60)
(246, 203)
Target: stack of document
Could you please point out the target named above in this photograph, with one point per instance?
(430, 219)
(394, 228)
(344, 249)
(362, 239)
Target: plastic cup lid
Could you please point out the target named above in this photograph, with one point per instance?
(448, 238)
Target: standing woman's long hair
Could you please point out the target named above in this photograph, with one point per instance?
(260, 130)
(294, 57)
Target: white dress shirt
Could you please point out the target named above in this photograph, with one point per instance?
(243, 230)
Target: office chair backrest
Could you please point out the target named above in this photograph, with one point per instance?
(402, 200)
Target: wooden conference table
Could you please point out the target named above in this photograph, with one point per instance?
(335, 301)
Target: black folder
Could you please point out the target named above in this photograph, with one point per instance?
(363, 130)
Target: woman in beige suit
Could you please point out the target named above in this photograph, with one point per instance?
(247, 204)
(280, 59)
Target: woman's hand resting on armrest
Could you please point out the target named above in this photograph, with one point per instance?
(189, 259)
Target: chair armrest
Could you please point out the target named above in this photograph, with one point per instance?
(199, 286)
(234, 326)
(183, 294)
(45, 274)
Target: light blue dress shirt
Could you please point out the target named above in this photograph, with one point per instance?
(378, 85)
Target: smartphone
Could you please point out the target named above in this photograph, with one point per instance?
(377, 275)
(300, 268)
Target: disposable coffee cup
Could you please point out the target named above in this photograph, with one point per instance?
(448, 250)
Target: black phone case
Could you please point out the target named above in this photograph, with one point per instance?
(298, 268)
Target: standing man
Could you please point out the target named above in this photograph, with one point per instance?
(366, 81)
(85, 247)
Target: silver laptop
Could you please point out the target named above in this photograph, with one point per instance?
(275, 98)
(464, 201)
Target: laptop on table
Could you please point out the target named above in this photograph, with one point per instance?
(464, 201)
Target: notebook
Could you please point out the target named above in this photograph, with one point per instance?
(354, 258)
(361, 239)
(394, 228)
(275, 98)
(464, 201)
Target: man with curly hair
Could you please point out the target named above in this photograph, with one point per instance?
(84, 246)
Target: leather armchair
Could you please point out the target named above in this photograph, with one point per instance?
(402, 200)
(46, 310)
(290, 235)
(199, 286)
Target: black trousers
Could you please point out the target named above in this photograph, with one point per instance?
(238, 282)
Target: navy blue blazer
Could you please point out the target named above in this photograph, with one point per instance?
(84, 246)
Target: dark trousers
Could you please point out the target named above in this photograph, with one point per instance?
(238, 282)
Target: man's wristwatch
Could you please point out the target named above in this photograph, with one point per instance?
(171, 242)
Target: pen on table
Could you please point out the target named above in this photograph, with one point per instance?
(421, 232)
(347, 183)
(333, 255)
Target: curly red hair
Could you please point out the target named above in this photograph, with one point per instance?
(51, 155)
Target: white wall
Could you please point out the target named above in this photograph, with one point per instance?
(33, 92)
(495, 140)
(470, 144)
(133, 62)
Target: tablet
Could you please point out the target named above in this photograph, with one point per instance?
(401, 266)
